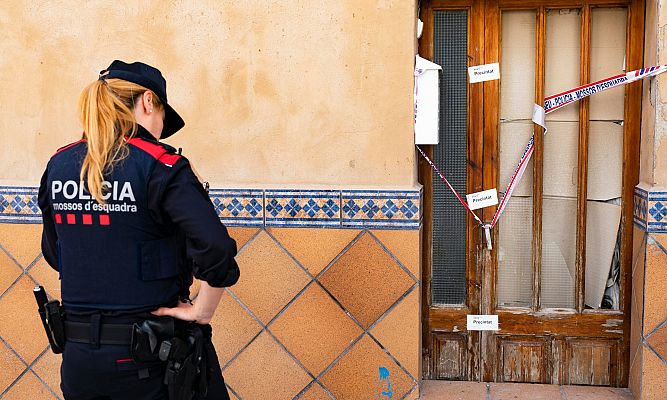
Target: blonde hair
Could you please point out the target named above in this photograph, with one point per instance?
(106, 110)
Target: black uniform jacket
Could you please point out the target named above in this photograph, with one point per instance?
(131, 253)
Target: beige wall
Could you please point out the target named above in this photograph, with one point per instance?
(274, 93)
(649, 95)
(654, 124)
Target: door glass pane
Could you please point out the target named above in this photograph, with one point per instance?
(562, 64)
(449, 218)
(517, 88)
(605, 160)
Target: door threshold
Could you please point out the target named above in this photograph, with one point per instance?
(456, 390)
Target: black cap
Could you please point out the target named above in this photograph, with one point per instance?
(150, 78)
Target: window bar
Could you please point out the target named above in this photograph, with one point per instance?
(582, 168)
(538, 158)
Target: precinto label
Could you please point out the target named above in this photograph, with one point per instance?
(486, 72)
(483, 323)
(483, 199)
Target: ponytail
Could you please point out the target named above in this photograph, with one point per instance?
(106, 110)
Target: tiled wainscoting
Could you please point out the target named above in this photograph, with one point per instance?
(648, 347)
(326, 310)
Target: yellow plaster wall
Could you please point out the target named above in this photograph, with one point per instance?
(653, 164)
(649, 95)
(274, 93)
(659, 141)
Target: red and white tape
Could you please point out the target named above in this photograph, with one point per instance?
(551, 104)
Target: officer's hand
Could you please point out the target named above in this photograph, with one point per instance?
(201, 310)
(184, 312)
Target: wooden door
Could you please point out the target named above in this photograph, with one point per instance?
(567, 233)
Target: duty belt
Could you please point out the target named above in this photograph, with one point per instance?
(81, 332)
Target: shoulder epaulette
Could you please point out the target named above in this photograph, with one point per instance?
(155, 150)
(68, 146)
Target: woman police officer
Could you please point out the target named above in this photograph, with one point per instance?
(124, 220)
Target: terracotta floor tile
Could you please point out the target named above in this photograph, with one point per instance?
(446, 390)
(638, 245)
(596, 393)
(404, 245)
(269, 277)
(314, 248)
(241, 235)
(265, 371)
(399, 332)
(367, 372)
(29, 388)
(635, 375)
(11, 367)
(9, 271)
(18, 306)
(658, 340)
(660, 238)
(366, 280)
(315, 392)
(48, 368)
(312, 322)
(654, 376)
(194, 288)
(22, 241)
(518, 391)
(637, 315)
(233, 328)
(47, 277)
(655, 306)
(414, 395)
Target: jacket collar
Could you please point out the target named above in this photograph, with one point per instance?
(144, 134)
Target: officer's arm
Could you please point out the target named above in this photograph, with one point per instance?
(187, 204)
(49, 236)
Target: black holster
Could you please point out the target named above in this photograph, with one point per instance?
(186, 375)
(148, 335)
(52, 315)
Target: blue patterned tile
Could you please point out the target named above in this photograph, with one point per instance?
(640, 207)
(650, 209)
(388, 209)
(302, 208)
(255, 207)
(18, 204)
(239, 207)
(658, 211)
(656, 219)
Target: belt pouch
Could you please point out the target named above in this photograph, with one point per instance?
(147, 336)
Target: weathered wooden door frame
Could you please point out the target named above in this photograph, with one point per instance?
(481, 265)
(454, 317)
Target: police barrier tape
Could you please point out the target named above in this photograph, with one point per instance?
(551, 104)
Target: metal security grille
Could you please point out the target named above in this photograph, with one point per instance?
(449, 218)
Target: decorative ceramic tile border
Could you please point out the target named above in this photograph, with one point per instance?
(239, 207)
(377, 208)
(657, 212)
(302, 207)
(18, 204)
(650, 210)
(383, 209)
(640, 203)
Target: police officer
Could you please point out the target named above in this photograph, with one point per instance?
(125, 219)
